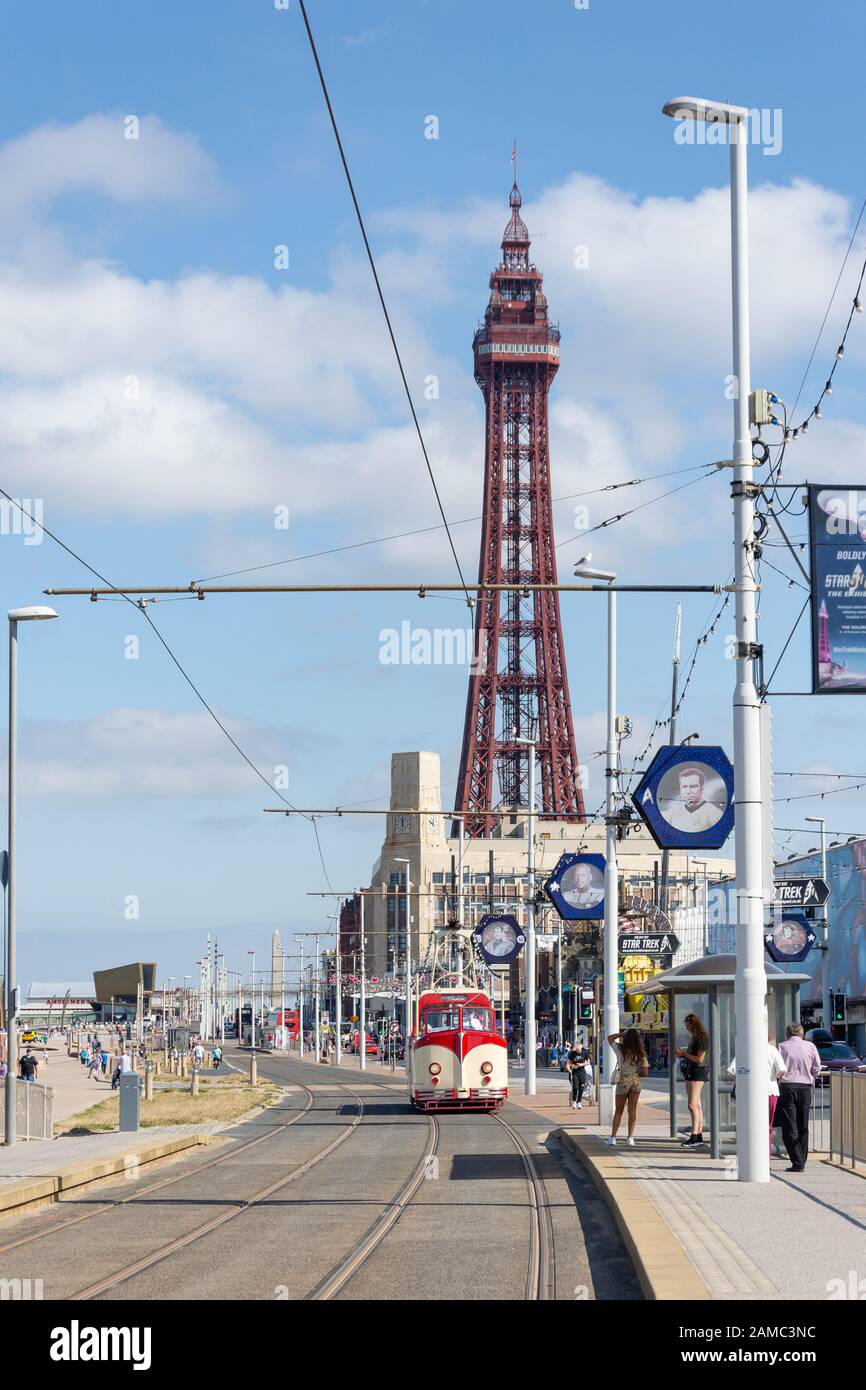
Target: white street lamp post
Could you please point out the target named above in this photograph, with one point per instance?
(398, 859)
(16, 616)
(609, 1022)
(252, 1002)
(529, 1074)
(750, 982)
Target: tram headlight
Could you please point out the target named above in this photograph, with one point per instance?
(486, 1068)
(434, 1069)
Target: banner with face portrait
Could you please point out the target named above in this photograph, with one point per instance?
(837, 529)
(500, 939)
(576, 887)
(686, 797)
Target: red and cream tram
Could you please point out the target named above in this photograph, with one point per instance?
(457, 1060)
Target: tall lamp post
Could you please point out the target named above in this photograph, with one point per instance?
(610, 1010)
(826, 1020)
(399, 859)
(16, 616)
(750, 981)
(252, 1003)
(299, 940)
(529, 1077)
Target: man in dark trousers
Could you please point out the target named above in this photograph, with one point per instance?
(28, 1066)
(576, 1065)
(802, 1065)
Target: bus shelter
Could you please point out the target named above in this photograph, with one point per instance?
(705, 987)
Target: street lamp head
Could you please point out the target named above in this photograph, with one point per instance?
(819, 820)
(700, 109)
(39, 613)
(582, 571)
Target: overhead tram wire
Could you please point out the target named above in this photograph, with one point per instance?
(464, 521)
(391, 334)
(142, 608)
(708, 468)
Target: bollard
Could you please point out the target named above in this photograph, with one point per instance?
(253, 1069)
(183, 1064)
(148, 1081)
(194, 1083)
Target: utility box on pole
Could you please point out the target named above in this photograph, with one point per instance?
(129, 1087)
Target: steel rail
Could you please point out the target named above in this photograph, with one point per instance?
(133, 1197)
(126, 1272)
(541, 1273)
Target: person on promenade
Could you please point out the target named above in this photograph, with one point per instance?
(776, 1064)
(632, 1064)
(27, 1066)
(802, 1064)
(693, 1067)
(576, 1066)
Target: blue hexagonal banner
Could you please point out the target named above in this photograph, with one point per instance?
(686, 797)
(576, 887)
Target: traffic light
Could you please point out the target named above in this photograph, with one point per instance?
(587, 1001)
(840, 1012)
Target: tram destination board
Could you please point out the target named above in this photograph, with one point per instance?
(801, 892)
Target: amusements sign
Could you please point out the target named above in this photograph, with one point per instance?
(837, 527)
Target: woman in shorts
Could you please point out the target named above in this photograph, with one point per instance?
(631, 1066)
(694, 1068)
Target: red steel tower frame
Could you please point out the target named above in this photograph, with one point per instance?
(519, 685)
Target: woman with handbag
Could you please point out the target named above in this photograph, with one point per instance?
(632, 1064)
(693, 1068)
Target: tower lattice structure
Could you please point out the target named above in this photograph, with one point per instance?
(519, 686)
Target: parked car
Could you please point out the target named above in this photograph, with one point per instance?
(371, 1047)
(30, 1036)
(839, 1056)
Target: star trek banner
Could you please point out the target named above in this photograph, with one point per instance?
(837, 526)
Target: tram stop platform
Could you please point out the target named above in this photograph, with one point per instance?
(694, 1232)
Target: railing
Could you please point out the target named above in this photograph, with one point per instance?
(34, 1110)
(848, 1117)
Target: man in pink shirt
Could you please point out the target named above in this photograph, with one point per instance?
(802, 1065)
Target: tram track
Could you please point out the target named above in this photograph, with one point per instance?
(238, 1208)
(541, 1271)
(111, 1204)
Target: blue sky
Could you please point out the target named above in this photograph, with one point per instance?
(147, 267)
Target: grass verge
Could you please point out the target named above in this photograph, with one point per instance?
(220, 1099)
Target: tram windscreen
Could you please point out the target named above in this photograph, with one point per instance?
(440, 1020)
(478, 1020)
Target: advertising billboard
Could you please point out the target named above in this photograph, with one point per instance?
(837, 529)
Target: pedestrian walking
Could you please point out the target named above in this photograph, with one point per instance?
(693, 1069)
(802, 1063)
(576, 1066)
(632, 1064)
(94, 1066)
(103, 1056)
(27, 1066)
(198, 1054)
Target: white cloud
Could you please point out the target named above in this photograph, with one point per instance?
(94, 154)
(132, 753)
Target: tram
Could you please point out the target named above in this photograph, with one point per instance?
(456, 1059)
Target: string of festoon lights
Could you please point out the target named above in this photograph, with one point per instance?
(792, 432)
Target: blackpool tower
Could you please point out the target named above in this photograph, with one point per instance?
(519, 687)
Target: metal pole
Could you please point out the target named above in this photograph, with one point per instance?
(316, 1001)
(825, 963)
(338, 996)
(559, 1033)
(672, 738)
(610, 1010)
(362, 1021)
(253, 1003)
(300, 942)
(408, 1028)
(529, 1039)
(460, 901)
(750, 985)
(11, 963)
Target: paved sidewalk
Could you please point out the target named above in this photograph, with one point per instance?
(802, 1236)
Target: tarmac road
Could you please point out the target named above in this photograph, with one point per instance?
(466, 1230)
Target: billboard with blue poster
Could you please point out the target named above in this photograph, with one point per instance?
(837, 529)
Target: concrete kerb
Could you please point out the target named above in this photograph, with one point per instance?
(16, 1197)
(661, 1263)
